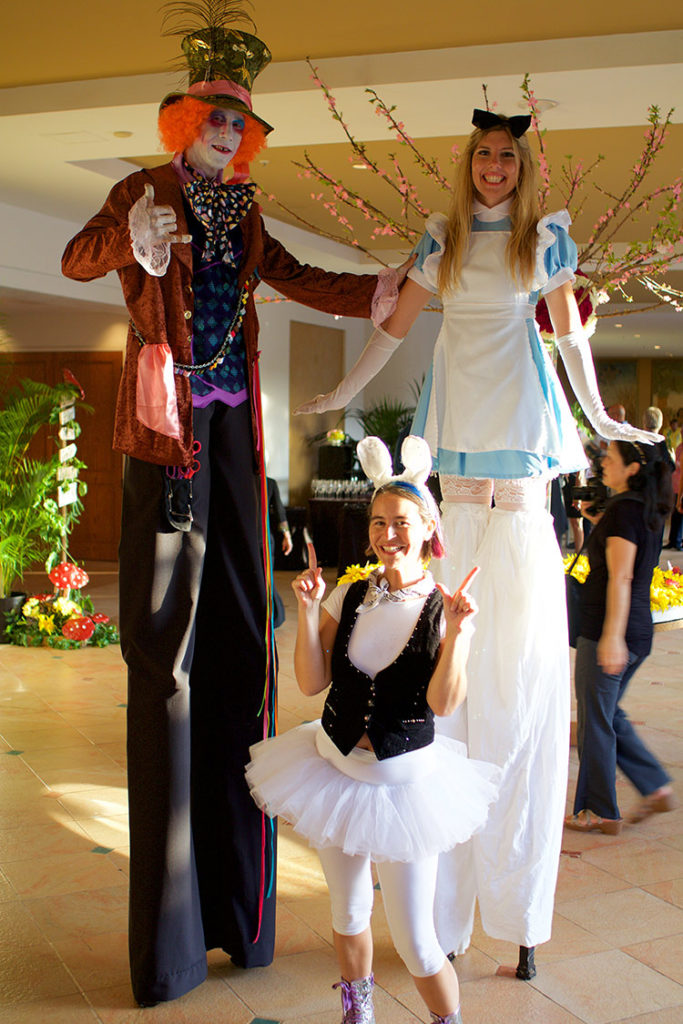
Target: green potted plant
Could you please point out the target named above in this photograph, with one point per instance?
(386, 419)
(32, 526)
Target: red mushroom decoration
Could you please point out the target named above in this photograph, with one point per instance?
(66, 576)
(99, 617)
(78, 628)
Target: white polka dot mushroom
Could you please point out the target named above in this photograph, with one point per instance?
(66, 576)
(78, 627)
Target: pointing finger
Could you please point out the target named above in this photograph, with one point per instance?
(312, 560)
(468, 579)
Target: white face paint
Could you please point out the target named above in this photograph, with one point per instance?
(495, 168)
(217, 143)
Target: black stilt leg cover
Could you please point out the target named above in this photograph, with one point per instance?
(192, 610)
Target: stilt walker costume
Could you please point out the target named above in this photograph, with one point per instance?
(494, 415)
(195, 577)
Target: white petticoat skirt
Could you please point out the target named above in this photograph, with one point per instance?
(402, 808)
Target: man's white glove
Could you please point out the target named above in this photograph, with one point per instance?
(152, 231)
(578, 362)
(371, 360)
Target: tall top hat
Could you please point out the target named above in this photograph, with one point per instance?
(223, 64)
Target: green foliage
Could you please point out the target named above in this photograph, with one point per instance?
(39, 622)
(31, 524)
(385, 419)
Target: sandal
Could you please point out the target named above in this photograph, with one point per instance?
(586, 821)
(659, 802)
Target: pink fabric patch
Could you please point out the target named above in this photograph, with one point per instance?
(156, 402)
(386, 296)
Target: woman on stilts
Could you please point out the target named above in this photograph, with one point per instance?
(499, 427)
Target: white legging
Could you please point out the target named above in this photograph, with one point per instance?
(408, 894)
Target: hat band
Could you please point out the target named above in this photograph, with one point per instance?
(221, 87)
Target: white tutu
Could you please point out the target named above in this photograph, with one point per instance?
(402, 808)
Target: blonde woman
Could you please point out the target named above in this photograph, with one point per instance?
(497, 422)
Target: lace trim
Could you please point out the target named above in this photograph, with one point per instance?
(516, 495)
(152, 257)
(512, 495)
(462, 489)
(385, 298)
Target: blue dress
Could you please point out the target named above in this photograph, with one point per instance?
(492, 404)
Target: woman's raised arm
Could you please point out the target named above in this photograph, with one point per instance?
(383, 342)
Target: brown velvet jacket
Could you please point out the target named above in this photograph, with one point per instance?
(162, 307)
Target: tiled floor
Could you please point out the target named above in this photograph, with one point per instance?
(616, 952)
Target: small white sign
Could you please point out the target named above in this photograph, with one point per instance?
(67, 473)
(66, 415)
(68, 433)
(67, 495)
(67, 452)
(67, 401)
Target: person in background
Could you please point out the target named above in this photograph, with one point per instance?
(673, 432)
(278, 523)
(675, 541)
(615, 639)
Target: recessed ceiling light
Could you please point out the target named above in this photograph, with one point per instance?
(657, 346)
(360, 167)
(122, 135)
(618, 325)
(636, 335)
(541, 105)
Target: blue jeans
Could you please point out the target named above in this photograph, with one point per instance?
(605, 736)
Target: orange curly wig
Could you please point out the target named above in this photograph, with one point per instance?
(180, 124)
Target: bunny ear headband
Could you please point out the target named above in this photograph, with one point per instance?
(375, 460)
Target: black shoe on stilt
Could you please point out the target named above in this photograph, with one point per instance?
(526, 968)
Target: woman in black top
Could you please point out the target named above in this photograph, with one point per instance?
(616, 637)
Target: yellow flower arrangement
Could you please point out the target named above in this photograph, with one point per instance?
(580, 570)
(666, 589)
(46, 624)
(336, 436)
(66, 607)
(31, 608)
(358, 572)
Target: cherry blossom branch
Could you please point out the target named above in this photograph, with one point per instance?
(543, 165)
(428, 167)
(612, 267)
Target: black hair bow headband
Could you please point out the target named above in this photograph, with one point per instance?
(486, 119)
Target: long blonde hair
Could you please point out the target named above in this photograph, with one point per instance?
(520, 252)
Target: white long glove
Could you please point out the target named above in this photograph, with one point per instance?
(371, 360)
(578, 361)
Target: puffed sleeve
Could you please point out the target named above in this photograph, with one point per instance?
(556, 255)
(428, 252)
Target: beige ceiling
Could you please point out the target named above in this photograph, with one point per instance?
(74, 40)
(76, 75)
